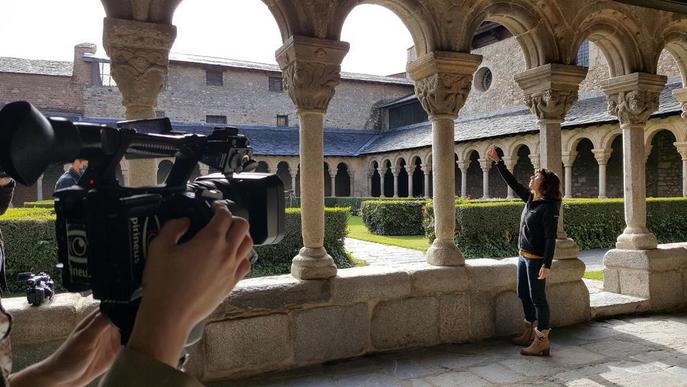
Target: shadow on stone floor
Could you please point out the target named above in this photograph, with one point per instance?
(632, 351)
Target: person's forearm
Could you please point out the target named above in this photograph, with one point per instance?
(160, 338)
(34, 375)
(549, 250)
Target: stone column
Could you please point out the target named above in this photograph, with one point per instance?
(382, 181)
(602, 156)
(633, 98)
(550, 91)
(568, 162)
(139, 53)
(534, 158)
(370, 179)
(39, 188)
(311, 69)
(463, 166)
(682, 149)
(426, 169)
(485, 164)
(442, 83)
(332, 178)
(395, 172)
(293, 174)
(410, 171)
(510, 164)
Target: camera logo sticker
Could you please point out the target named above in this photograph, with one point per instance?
(141, 235)
(77, 250)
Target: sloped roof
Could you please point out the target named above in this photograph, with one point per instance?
(591, 108)
(35, 66)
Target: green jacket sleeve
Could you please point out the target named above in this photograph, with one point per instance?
(133, 369)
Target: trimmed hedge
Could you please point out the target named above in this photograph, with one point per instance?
(30, 245)
(354, 203)
(29, 237)
(393, 217)
(40, 204)
(491, 229)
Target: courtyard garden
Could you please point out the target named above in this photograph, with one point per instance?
(483, 229)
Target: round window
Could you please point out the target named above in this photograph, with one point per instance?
(483, 79)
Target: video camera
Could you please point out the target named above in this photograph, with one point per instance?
(39, 287)
(104, 229)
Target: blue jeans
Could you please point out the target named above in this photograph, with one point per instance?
(532, 292)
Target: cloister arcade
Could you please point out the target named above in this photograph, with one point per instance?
(279, 323)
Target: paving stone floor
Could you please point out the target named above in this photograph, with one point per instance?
(646, 351)
(384, 255)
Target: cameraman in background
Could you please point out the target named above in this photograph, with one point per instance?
(207, 266)
(72, 175)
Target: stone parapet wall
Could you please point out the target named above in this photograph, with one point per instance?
(276, 323)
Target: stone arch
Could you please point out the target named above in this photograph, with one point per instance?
(376, 179)
(675, 37)
(262, 167)
(573, 142)
(609, 137)
(614, 32)
(523, 167)
(343, 179)
(474, 175)
(663, 166)
(524, 20)
(513, 150)
(325, 20)
(282, 171)
(467, 152)
(652, 130)
(585, 169)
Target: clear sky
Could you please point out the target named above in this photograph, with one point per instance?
(237, 29)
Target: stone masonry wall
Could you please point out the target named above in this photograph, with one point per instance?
(245, 99)
(46, 92)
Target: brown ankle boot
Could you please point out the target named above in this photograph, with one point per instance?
(527, 335)
(540, 346)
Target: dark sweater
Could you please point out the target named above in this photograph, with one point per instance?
(539, 220)
(68, 179)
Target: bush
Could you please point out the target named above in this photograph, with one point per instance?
(30, 245)
(491, 229)
(354, 203)
(276, 259)
(393, 217)
(40, 204)
(29, 236)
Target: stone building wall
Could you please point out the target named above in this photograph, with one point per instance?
(245, 99)
(47, 92)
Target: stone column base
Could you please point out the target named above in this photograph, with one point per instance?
(566, 248)
(444, 253)
(313, 264)
(636, 241)
(659, 275)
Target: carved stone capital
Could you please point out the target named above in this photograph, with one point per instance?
(634, 97)
(139, 55)
(602, 155)
(568, 158)
(485, 164)
(680, 95)
(443, 80)
(551, 90)
(551, 104)
(311, 69)
(682, 149)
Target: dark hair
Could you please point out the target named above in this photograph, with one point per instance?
(551, 184)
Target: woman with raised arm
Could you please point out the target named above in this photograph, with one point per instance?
(536, 244)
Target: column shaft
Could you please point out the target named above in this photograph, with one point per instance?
(602, 181)
(568, 181)
(426, 171)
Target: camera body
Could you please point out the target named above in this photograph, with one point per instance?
(103, 229)
(39, 287)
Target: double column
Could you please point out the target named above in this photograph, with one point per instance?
(463, 166)
(139, 53)
(602, 156)
(568, 159)
(485, 164)
(426, 170)
(682, 149)
(633, 98)
(442, 83)
(550, 91)
(510, 165)
(311, 69)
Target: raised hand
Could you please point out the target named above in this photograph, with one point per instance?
(492, 154)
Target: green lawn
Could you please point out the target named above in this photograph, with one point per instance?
(357, 230)
(594, 275)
